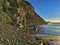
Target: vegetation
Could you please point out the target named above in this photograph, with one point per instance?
(10, 31)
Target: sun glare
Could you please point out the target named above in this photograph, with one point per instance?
(53, 20)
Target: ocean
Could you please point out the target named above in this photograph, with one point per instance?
(50, 28)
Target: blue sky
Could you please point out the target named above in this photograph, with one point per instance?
(47, 9)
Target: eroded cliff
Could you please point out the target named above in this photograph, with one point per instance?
(18, 21)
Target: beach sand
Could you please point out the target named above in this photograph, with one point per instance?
(52, 40)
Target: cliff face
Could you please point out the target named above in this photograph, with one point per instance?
(30, 14)
(15, 14)
(25, 10)
(33, 16)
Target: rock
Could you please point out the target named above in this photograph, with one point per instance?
(19, 28)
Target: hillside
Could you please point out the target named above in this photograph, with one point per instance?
(25, 10)
(18, 21)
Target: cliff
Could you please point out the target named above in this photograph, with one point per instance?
(16, 17)
(25, 11)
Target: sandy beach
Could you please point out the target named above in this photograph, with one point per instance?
(52, 40)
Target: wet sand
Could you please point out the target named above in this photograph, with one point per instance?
(53, 40)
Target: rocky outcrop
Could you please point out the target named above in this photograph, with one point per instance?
(25, 11)
(18, 22)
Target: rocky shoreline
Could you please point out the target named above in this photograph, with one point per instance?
(10, 36)
(48, 39)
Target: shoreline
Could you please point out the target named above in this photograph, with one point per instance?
(53, 40)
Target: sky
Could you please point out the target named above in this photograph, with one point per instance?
(49, 10)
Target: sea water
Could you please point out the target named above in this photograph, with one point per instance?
(50, 28)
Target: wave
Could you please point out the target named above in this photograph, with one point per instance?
(50, 29)
(54, 24)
